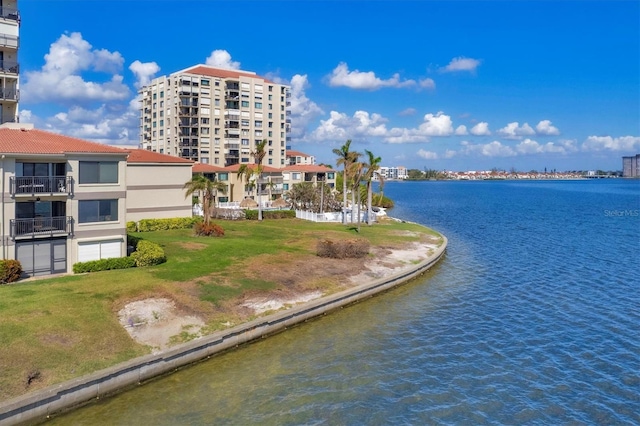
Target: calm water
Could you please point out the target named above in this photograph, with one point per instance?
(532, 317)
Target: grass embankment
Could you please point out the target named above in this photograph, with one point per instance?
(56, 329)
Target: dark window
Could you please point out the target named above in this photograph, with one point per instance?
(98, 172)
(97, 211)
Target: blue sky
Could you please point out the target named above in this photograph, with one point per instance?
(423, 84)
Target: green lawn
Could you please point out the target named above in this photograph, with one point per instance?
(56, 329)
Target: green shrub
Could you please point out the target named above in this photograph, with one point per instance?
(343, 249)
(270, 214)
(132, 227)
(148, 225)
(148, 254)
(10, 271)
(210, 230)
(104, 264)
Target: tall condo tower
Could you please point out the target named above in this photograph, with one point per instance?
(215, 116)
(9, 67)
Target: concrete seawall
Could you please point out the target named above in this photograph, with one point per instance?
(38, 405)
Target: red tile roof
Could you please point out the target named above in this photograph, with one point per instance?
(206, 168)
(145, 156)
(32, 141)
(308, 168)
(265, 169)
(222, 73)
(292, 153)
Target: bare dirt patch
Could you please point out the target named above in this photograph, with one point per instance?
(155, 321)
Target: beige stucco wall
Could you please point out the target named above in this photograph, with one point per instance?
(156, 191)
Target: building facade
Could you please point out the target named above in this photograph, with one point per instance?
(631, 166)
(9, 66)
(391, 173)
(215, 116)
(63, 200)
(155, 186)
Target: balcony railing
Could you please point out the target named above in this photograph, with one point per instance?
(41, 227)
(10, 67)
(10, 94)
(9, 13)
(41, 185)
(9, 41)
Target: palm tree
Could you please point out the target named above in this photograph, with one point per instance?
(258, 155)
(356, 177)
(357, 174)
(345, 159)
(208, 189)
(246, 173)
(381, 180)
(373, 165)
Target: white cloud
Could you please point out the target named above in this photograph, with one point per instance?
(222, 59)
(340, 127)
(450, 153)
(341, 76)
(408, 111)
(544, 127)
(608, 143)
(515, 131)
(461, 64)
(144, 72)
(303, 110)
(427, 83)
(427, 155)
(529, 146)
(60, 78)
(436, 125)
(461, 130)
(480, 129)
(492, 149)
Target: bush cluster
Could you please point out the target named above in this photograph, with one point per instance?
(104, 264)
(149, 225)
(270, 214)
(10, 271)
(148, 254)
(343, 249)
(210, 230)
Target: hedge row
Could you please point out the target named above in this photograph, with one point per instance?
(148, 254)
(270, 214)
(10, 271)
(104, 264)
(148, 225)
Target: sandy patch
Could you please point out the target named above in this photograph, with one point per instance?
(260, 305)
(394, 260)
(156, 321)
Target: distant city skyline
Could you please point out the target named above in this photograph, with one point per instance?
(442, 85)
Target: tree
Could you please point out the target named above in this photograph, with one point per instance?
(258, 155)
(345, 159)
(357, 173)
(208, 190)
(381, 180)
(372, 166)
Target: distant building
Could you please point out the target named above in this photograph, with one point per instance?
(391, 173)
(297, 157)
(631, 166)
(9, 66)
(215, 116)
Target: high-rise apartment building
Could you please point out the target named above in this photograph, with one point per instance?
(215, 116)
(9, 67)
(631, 166)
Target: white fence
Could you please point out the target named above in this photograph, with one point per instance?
(330, 216)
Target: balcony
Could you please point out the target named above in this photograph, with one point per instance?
(9, 14)
(9, 41)
(9, 94)
(9, 67)
(41, 227)
(41, 185)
